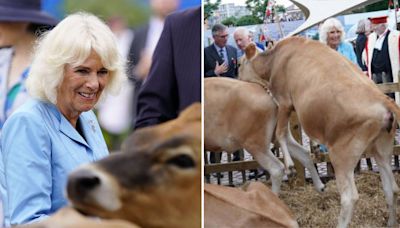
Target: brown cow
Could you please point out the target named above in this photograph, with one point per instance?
(241, 115)
(154, 182)
(68, 217)
(257, 206)
(337, 106)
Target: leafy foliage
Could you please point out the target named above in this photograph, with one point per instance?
(230, 21)
(280, 8)
(248, 20)
(257, 7)
(209, 8)
(134, 12)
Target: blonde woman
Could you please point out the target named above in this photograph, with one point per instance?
(331, 33)
(49, 136)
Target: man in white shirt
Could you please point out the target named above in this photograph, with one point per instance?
(382, 53)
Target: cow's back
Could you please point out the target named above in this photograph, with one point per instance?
(234, 110)
(327, 90)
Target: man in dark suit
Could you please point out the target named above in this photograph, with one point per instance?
(174, 81)
(144, 42)
(220, 59)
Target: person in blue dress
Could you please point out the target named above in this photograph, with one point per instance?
(332, 33)
(75, 64)
(21, 21)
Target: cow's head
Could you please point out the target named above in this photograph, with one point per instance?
(154, 182)
(249, 69)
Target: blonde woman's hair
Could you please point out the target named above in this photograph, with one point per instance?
(71, 42)
(327, 26)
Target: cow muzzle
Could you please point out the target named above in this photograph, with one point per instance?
(88, 186)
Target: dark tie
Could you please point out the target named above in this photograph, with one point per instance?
(221, 54)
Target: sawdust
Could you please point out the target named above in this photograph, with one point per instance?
(313, 209)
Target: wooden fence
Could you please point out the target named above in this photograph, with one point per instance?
(300, 178)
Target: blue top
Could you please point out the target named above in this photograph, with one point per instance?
(10, 99)
(39, 147)
(347, 50)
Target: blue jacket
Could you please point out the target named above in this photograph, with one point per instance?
(347, 50)
(39, 148)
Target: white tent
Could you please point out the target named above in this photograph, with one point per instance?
(317, 11)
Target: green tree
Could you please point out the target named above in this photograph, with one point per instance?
(248, 20)
(257, 7)
(280, 9)
(229, 21)
(134, 13)
(209, 8)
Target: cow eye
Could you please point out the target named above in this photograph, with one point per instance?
(182, 161)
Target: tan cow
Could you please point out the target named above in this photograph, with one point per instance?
(256, 206)
(68, 217)
(154, 182)
(240, 115)
(337, 106)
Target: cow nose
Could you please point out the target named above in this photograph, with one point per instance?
(80, 183)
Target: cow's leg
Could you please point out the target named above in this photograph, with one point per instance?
(348, 192)
(271, 163)
(383, 157)
(281, 135)
(259, 147)
(344, 157)
(303, 156)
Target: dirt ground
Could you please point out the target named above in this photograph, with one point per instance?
(321, 210)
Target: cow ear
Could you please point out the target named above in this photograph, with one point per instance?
(250, 50)
(271, 45)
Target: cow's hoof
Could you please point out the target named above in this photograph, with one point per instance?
(321, 189)
(291, 172)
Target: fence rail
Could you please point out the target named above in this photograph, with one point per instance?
(317, 158)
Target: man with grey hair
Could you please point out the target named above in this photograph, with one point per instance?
(382, 53)
(220, 59)
(243, 38)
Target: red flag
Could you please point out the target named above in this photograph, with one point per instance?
(268, 10)
(262, 38)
